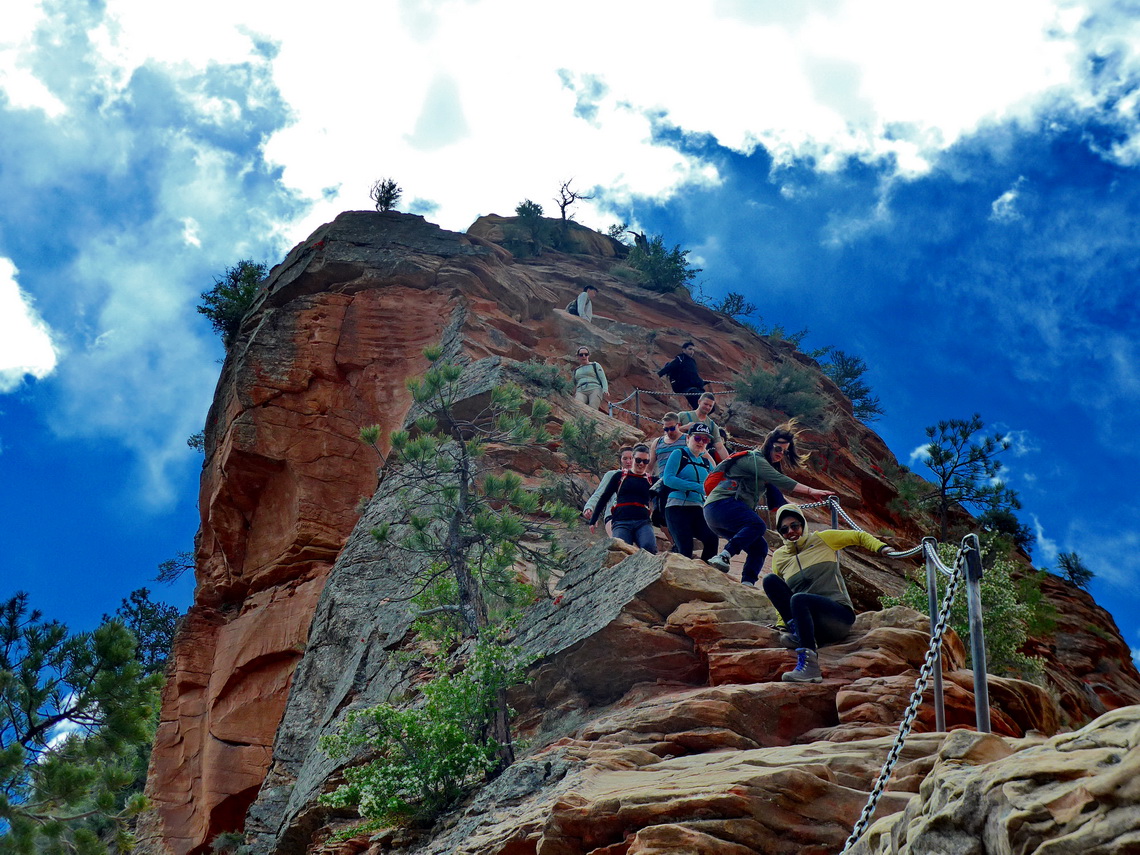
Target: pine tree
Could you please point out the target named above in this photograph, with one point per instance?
(76, 708)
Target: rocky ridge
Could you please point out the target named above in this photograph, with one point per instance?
(656, 712)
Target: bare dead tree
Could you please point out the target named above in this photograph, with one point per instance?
(567, 197)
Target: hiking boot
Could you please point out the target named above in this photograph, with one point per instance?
(790, 640)
(720, 561)
(748, 582)
(807, 668)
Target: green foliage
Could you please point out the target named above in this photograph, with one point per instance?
(548, 378)
(790, 390)
(424, 757)
(663, 270)
(966, 469)
(846, 371)
(227, 303)
(1003, 523)
(617, 231)
(172, 569)
(197, 441)
(1074, 570)
(1008, 610)
(590, 452)
(385, 193)
(78, 716)
(153, 626)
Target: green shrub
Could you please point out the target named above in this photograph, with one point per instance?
(548, 378)
(425, 756)
(227, 303)
(1007, 614)
(663, 270)
(385, 193)
(790, 390)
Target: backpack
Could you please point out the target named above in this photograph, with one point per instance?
(572, 306)
(720, 473)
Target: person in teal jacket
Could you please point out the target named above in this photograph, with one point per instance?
(684, 474)
(807, 588)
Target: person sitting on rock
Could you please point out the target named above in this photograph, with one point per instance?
(703, 414)
(806, 586)
(631, 508)
(590, 383)
(730, 508)
(625, 461)
(683, 374)
(586, 303)
(685, 473)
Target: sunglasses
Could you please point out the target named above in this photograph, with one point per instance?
(641, 460)
(671, 428)
(789, 528)
(583, 354)
(702, 440)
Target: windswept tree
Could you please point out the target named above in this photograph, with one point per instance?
(846, 371)
(1073, 569)
(965, 468)
(228, 302)
(76, 709)
(385, 193)
(566, 198)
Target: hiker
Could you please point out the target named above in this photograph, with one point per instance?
(706, 402)
(806, 586)
(735, 487)
(779, 448)
(631, 510)
(590, 384)
(659, 451)
(625, 461)
(583, 306)
(685, 474)
(683, 374)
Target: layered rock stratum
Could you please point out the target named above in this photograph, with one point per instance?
(655, 717)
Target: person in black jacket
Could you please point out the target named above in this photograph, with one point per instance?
(631, 508)
(683, 374)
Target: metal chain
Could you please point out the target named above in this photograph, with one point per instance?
(915, 698)
(890, 553)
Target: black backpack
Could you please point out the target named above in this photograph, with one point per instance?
(572, 306)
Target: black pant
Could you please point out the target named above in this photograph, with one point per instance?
(693, 396)
(818, 620)
(687, 522)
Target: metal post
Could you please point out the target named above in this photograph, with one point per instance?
(834, 513)
(637, 407)
(932, 599)
(973, 552)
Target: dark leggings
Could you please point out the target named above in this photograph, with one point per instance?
(819, 620)
(744, 529)
(687, 522)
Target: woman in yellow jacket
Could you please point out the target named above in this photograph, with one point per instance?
(806, 586)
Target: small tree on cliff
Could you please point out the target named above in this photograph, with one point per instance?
(75, 711)
(227, 303)
(385, 193)
(471, 525)
(966, 469)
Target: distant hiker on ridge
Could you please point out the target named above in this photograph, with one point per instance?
(683, 374)
(590, 383)
(583, 305)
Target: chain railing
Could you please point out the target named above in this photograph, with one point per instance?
(636, 394)
(932, 657)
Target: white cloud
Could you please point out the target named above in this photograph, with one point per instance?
(27, 346)
(1004, 207)
(919, 454)
(1046, 547)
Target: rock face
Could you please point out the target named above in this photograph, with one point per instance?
(656, 710)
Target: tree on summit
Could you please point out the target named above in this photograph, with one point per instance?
(385, 193)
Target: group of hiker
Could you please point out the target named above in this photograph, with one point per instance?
(686, 482)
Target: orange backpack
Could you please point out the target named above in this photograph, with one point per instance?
(720, 473)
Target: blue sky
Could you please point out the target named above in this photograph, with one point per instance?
(952, 197)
